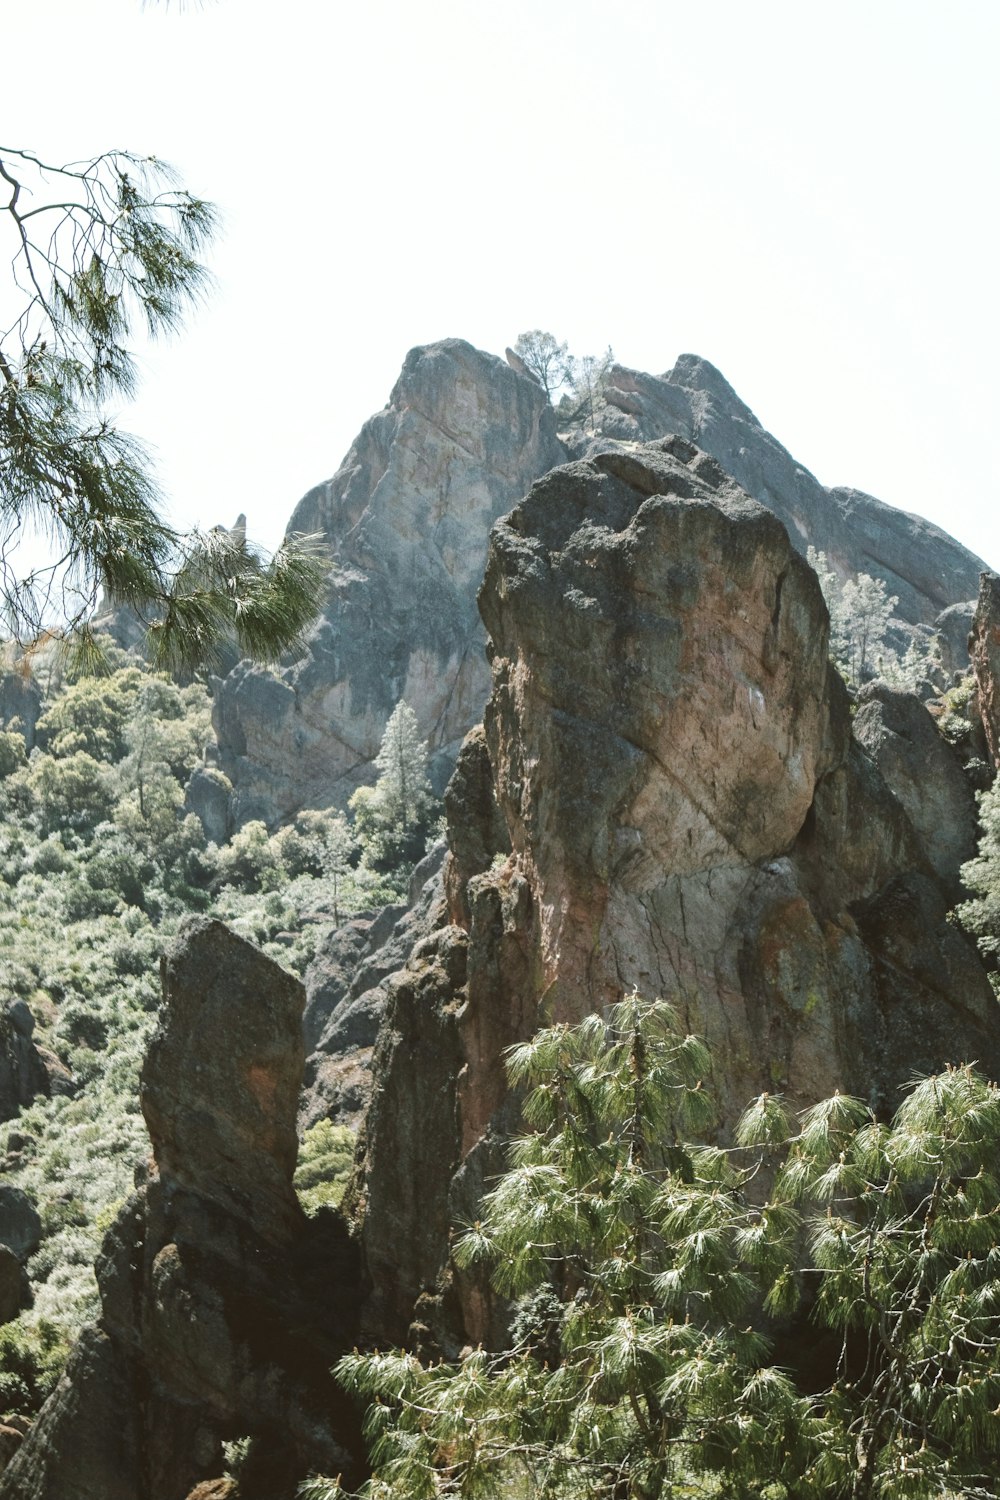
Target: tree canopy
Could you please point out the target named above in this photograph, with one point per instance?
(101, 250)
(393, 817)
(862, 625)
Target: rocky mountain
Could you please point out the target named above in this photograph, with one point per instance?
(923, 566)
(407, 517)
(667, 794)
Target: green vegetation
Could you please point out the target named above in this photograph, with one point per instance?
(98, 866)
(980, 915)
(652, 1273)
(394, 817)
(99, 249)
(580, 378)
(326, 1157)
(862, 624)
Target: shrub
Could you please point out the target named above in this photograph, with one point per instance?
(326, 1157)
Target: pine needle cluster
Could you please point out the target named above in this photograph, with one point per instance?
(100, 250)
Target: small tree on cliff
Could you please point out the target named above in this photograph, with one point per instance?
(862, 615)
(393, 817)
(587, 376)
(545, 357)
(646, 1269)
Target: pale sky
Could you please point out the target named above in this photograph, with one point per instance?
(803, 193)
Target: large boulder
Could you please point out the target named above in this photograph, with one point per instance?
(406, 518)
(682, 808)
(223, 1307)
(20, 1223)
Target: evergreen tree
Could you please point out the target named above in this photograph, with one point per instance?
(545, 357)
(393, 817)
(648, 1266)
(980, 915)
(862, 618)
(587, 375)
(99, 248)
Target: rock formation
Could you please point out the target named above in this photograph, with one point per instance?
(23, 1066)
(406, 518)
(222, 1306)
(668, 758)
(924, 773)
(20, 705)
(985, 652)
(346, 996)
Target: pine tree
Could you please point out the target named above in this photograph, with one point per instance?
(98, 249)
(393, 817)
(862, 617)
(647, 1267)
(545, 357)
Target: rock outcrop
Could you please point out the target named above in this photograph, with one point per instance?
(985, 653)
(223, 1307)
(924, 773)
(666, 794)
(923, 566)
(20, 705)
(23, 1070)
(406, 518)
(346, 996)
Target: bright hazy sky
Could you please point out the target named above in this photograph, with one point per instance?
(803, 193)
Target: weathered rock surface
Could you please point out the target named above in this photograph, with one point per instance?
(985, 654)
(15, 1290)
(20, 705)
(925, 567)
(222, 1306)
(952, 629)
(406, 518)
(346, 997)
(922, 770)
(668, 758)
(20, 1225)
(23, 1073)
(207, 796)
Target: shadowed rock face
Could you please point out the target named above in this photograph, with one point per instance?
(406, 517)
(667, 795)
(222, 1306)
(924, 773)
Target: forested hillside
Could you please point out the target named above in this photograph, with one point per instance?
(100, 863)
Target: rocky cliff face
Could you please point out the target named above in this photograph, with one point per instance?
(667, 795)
(406, 518)
(927, 569)
(222, 1306)
(985, 649)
